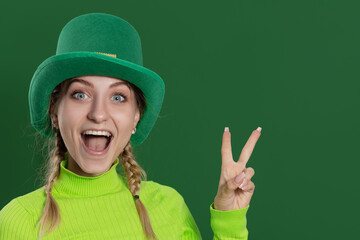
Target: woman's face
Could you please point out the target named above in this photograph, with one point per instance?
(101, 104)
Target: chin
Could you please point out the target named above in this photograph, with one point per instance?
(95, 168)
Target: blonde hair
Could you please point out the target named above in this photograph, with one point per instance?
(56, 152)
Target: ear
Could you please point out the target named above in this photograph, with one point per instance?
(137, 117)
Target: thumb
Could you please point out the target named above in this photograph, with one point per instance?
(234, 183)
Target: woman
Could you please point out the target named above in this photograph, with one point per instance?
(96, 101)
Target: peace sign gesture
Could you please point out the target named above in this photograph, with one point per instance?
(235, 187)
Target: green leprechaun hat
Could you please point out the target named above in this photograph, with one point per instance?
(96, 44)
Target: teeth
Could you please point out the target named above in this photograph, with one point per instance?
(100, 133)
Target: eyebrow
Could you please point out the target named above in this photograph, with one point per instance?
(92, 86)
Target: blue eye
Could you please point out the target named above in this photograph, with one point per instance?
(80, 95)
(118, 97)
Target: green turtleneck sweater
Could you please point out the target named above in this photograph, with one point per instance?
(102, 207)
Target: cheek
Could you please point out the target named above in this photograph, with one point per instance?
(124, 121)
(69, 116)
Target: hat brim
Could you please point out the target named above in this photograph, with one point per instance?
(58, 68)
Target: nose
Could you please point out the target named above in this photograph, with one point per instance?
(98, 112)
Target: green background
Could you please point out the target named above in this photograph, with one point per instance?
(290, 67)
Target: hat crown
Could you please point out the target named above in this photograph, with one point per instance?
(79, 46)
(101, 33)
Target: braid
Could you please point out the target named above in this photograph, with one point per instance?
(134, 174)
(51, 215)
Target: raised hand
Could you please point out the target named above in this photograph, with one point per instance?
(235, 187)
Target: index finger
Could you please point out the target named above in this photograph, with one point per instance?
(249, 147)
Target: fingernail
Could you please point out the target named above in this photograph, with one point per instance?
(259, 129)
(243, 184)
(226, 129)
(238, 178)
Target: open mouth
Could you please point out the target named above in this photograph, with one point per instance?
(96, 142)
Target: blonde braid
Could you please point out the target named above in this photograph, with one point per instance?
(51, 214)
(134, 175)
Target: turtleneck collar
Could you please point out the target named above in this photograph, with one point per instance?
(69, 183)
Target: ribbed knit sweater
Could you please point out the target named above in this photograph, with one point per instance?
(102, 207)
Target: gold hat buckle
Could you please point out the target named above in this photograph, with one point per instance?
(108, 54)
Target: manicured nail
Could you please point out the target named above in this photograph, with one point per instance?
(243, 184)
(259, 129)
(238, 178)
(226, 129)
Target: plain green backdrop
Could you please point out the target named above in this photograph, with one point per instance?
(291, 67)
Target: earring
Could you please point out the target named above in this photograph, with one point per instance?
(53, 124)
(134, 131)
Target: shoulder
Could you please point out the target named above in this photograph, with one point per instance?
(160, 194)
(159, 191)
(20, 214)
(168, 201)
(27, 204)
